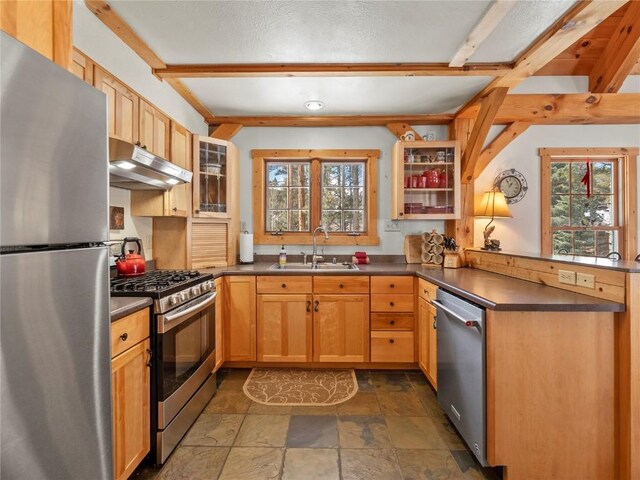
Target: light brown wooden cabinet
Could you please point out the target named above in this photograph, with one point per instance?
(123, 106)
(218, 283)
(284, 328)
(240, 321)
(341, 328)
(425, 180)
(154, 130)
(130, 392)
(427, 332)
(82, 66)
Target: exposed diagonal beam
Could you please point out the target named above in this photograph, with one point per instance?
(117, 25)
(508, 135)
(225, 131)
(399, 129)
(620, 55)
(582, 18)
(330, 70)
(492, 17)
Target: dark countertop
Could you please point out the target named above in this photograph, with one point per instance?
(123, 306)
(490, 290)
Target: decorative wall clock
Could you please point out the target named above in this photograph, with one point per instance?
(513, 184)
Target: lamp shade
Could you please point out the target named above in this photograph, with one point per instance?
(493, 205)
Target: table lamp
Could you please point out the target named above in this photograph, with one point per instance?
(493, 205)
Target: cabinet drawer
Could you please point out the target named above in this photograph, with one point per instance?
(392, 321)
(392, 303)
(392, 285)
(128, 331)
(283, 284)
(340, 284)
(427, 290)
(392, 347)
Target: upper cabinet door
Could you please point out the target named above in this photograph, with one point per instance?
(426, 180)
(154, 130)
(181, 156)
(122, 106)
(82, 67)
(211, 177)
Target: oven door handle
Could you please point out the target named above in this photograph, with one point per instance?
(468, 323)
(168, 321)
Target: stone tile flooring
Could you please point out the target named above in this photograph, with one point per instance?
(392, 429)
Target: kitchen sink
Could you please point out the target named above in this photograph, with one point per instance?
(322, 267)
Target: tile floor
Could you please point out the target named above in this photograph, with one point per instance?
(392, 429)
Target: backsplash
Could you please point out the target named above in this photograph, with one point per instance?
(141, 227)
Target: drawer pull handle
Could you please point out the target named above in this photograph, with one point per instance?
(315, 307)
(426, 291)
(392, 322)
(341, 285)
(284, 285)
(308, 305)
(124, 336)
(149, 357)
(392, 304)
(435, 324)
(391, 340)
(392, 286)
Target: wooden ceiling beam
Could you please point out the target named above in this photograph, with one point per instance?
(490, 20)
(507, 136)
(578, 21)
(567, 109)
(117, 25)
(483, 121)
(335, 120)
(399, 129)
(225, 131)
(330, 70)
(620, 55)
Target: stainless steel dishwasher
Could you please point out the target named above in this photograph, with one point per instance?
(462, 368)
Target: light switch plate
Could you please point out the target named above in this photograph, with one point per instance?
(567, 276)
(584, 280)
(391, 226)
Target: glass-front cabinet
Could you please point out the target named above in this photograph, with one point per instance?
(425, 180)
(211, 174)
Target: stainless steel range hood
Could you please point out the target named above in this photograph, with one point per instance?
(133, 168)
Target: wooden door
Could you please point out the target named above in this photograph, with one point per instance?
(82, 66)
(341, 328)
(284, 328)
(179, 196)
(240, 323)
(423, 338)
(154, 130)
(130, 403)
(122, 106)
(432, 365)
(220, 314)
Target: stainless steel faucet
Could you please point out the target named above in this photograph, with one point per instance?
(314, 256)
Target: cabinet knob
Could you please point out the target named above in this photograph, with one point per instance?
(284, 285)
(425, 291)
(175, 209)
(341, 285)
(400, 214)
(392, 304)
(197, 211)
(124, 336)
(391, 340)
(392, 285)
(392, 322)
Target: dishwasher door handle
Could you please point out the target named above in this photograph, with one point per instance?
(468, 323)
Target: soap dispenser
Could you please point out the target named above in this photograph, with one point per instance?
(282, 258)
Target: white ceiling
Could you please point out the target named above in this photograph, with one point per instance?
(332, 32)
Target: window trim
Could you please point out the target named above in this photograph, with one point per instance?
(260, 157)
(627, 219)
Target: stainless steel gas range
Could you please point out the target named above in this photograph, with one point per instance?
(183, 343)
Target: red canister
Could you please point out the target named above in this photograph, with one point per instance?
(433, 178)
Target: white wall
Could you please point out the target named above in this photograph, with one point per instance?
(332, 138)
(94, 39)
(521, 234)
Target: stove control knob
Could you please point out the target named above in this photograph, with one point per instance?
(173, 299)
(195, 291)
(183, 296)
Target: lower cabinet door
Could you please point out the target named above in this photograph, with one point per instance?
(432, 365)
(423, 335)
(284, 328)
(341, 328)
(130, 400)
(219, 284)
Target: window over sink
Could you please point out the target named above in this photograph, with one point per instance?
(297, 190)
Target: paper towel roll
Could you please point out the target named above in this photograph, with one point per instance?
(246, 248)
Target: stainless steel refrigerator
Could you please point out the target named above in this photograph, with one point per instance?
(54, 273)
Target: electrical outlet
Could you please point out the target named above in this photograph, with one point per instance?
(584, 280)
(391, 226)
(243, 226)
(567, 276)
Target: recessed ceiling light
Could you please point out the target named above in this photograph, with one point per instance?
(314, 104)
